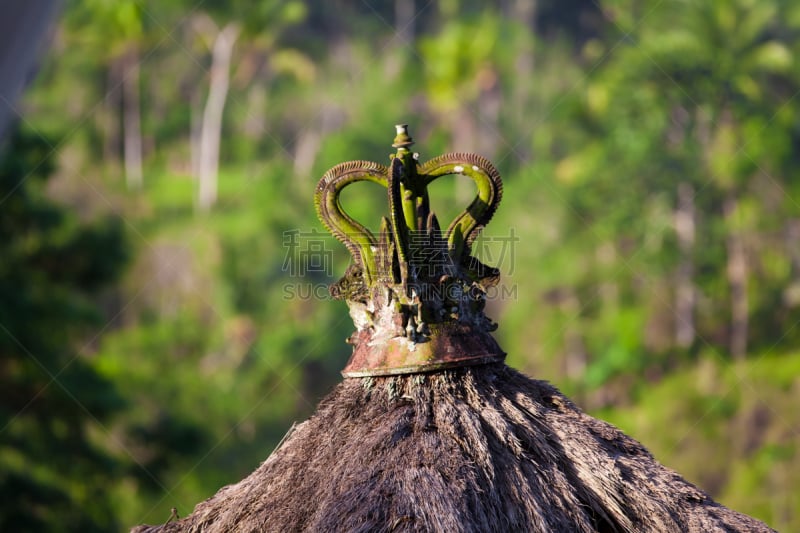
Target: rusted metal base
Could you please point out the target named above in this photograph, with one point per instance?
(447, 347)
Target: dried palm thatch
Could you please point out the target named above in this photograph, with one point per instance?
(481, 448)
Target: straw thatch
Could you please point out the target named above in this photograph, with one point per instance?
(474, 449)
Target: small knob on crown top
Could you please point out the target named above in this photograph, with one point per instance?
(402, 139)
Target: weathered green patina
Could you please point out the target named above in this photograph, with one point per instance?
(416, 294)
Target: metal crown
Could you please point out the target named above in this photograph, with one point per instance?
(415, 293)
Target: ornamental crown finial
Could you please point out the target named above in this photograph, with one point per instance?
(402, 139)
(415, 292)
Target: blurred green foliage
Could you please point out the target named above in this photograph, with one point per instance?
(152, 352)
(52, 471)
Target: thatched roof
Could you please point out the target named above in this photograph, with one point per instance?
(416, 439)
(482, 448)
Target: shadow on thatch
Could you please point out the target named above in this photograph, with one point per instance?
(474, 449)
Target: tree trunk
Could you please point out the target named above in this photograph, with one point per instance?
(110, 121)
(305, 151)
(607, 288)
(737, 280)
(685, 297)
(23, 30)
(131, 123)
(575, 356)
(792, 240)
(212, 115)
(523, 11)
(310, 138)
(404, 21)
(195, 130)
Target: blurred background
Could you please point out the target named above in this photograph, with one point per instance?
(163, 312)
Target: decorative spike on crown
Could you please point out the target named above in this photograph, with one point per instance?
(416, 294)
